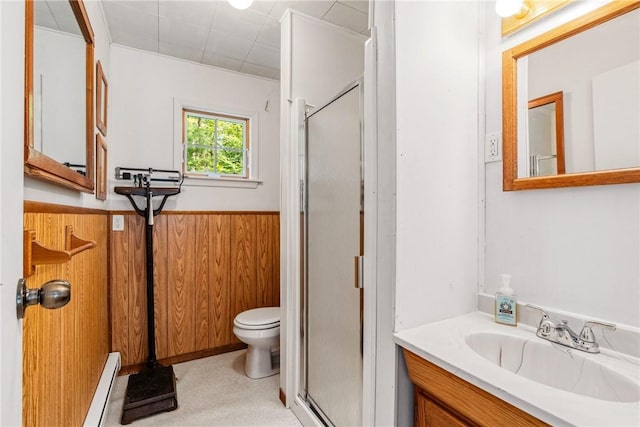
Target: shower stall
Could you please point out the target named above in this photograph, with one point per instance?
(332, 215)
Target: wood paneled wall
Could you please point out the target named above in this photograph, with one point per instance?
(208, 267)
(64, 350)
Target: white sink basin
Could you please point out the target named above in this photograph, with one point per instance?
(554, 366)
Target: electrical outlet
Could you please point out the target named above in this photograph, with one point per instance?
(117, 223)
(493, 147)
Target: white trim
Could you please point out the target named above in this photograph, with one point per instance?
(370, 161)
(387, 361)
(482, 130)
(304, 414)
(287, 355)
(254, 141)
(210, 181)
(291, 276)
(97, 414)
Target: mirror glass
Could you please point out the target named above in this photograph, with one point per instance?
(545, 136)
(59, 73)
(588, 134)
(598, 71)
(59, 85)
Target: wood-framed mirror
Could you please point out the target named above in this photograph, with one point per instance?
(601, 105)
(59, 76)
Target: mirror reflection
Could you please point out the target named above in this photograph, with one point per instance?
(598, 74)
(545, 147)
(59, 84)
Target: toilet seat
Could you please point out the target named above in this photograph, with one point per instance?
(258, 319)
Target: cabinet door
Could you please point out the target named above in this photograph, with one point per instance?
(430, 414)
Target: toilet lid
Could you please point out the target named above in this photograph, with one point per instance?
(267, 317)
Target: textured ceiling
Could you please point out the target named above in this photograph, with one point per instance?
(214, 33)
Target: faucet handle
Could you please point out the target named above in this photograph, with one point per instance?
(545, 326)
(545, 316)
(587, 333)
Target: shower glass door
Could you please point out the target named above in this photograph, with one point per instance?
(333, 217)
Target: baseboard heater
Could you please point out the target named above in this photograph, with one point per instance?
(97, 414)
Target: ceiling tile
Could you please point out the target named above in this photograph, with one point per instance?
(222, 62)
(262, 6)
(240, 23)
(132, 40)
(214, 33)
(150, 7)
(270, 34)
(264, 55)
(64, 17)
(347, 17)
(226, 45)
(361, 5)
(181, 33)
(42, 16)
(314, 8)
(190, 53)
(132, 21)
(194, 12)
(259, 70)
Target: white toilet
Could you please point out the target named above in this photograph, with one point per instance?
(260, 330)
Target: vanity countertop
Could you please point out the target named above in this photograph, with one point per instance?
(443, 343)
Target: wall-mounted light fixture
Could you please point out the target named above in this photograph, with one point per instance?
(516, 8)
(519, 13)
(240, 4)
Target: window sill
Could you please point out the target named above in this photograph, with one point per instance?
(193, 181)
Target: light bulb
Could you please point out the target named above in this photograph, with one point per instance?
(506, 8)
(240, 4)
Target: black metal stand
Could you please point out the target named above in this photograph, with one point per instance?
(154, 389)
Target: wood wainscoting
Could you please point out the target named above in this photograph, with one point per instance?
(64, 350)
(208, 267)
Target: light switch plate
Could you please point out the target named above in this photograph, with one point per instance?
(117, 223)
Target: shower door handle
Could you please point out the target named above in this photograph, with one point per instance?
(359, 268)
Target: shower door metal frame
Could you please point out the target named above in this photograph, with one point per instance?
(304, 278)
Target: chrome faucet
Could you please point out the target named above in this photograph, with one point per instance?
(560, 332)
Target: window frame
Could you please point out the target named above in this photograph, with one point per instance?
(252, 145)
(246, 143)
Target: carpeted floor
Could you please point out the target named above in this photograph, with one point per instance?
(214, 392)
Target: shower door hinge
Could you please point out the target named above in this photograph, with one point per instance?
(359, 269)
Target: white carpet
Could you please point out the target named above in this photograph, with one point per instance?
(214, 392)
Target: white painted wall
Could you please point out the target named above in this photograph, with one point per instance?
(11, 170)
(437, 54)
(324, 59)
(143, 87)
(572, 249)
(42, 191)
(616, 108)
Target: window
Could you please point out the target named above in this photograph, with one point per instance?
(215, 144)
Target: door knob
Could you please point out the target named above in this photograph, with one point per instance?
(53, 294)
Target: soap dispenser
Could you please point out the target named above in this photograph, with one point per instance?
(506, 303)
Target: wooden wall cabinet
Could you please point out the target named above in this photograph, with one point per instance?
(429, 412)
(443, 399)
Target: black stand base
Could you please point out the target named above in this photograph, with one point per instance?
(149, 392)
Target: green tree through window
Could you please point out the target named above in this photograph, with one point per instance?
(215, 144)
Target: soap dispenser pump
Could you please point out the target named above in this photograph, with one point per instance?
(506, 303)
